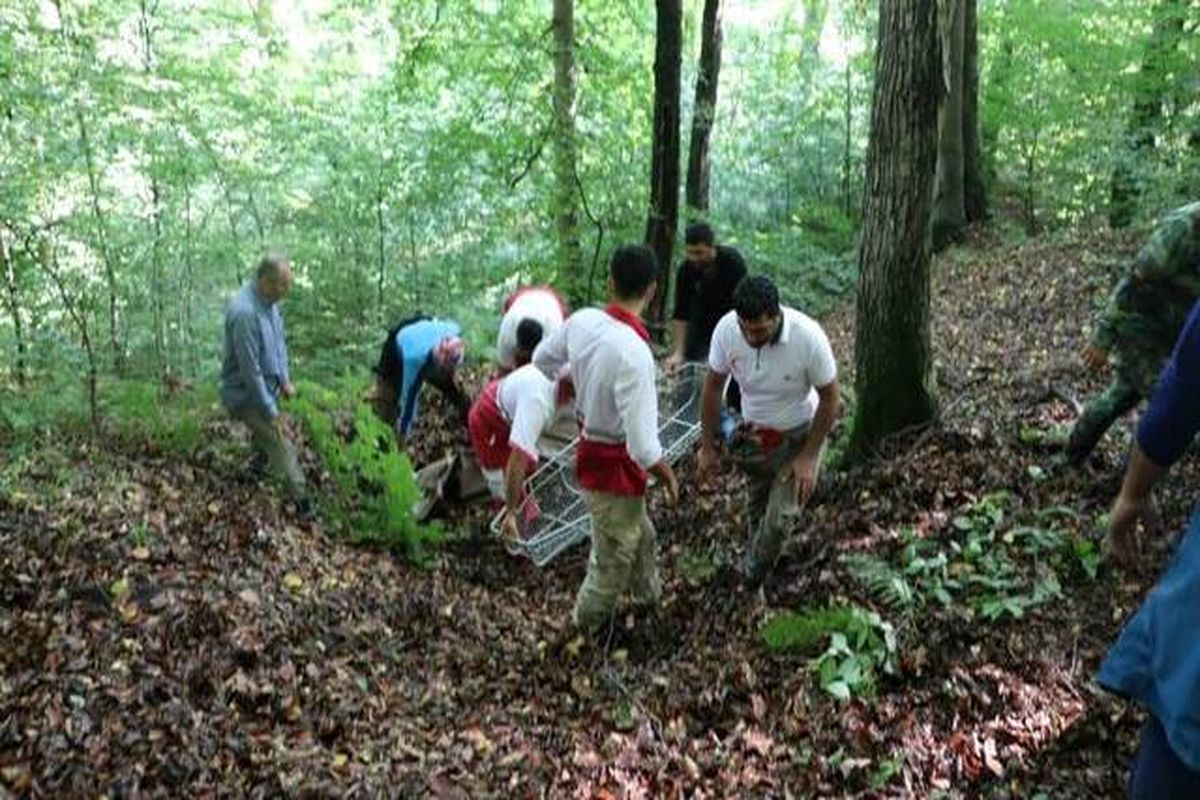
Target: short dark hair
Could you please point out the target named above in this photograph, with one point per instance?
(633, 269)
(529, 334)
(270, 265)
(755, 296)
(699, 233)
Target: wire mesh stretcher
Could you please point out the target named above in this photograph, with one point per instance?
(554, 516)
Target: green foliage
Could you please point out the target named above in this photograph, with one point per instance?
(375, 487)
(985, 570)
(851, 645)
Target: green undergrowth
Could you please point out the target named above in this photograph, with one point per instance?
(848, 646)
(989, 568)
(374, 489)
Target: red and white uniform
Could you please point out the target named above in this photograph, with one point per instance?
(510, 414)
(615, 398)
(540, 303)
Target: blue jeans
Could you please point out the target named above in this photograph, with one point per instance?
(1157, 771)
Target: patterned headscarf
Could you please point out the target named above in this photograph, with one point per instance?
(449, 352)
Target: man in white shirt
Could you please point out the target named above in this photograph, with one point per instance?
(537, 309)
(782, 360)
(505, 423)
(616, 400)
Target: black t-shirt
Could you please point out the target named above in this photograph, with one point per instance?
(705, 294)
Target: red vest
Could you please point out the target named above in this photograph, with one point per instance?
(606, 466)
(490, 431)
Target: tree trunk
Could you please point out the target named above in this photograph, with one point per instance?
(894, 365)
(949, 207)
(974, 188)
(1150, 84)
(846, 154)
(566, 204)
(380, 231)
(49, 263)
(705, 110)
(157, 288)
(13, 296)
(110, 270)
(664, 166)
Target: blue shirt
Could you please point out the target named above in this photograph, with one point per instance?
(1173, 417)
(1156, 660)
(414, 348)
(256, 357)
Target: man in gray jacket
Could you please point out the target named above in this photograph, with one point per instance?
(255, 372)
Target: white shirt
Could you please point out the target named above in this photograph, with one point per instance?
(778, 380)
(526, 399)
(613, 370)
(540, 305)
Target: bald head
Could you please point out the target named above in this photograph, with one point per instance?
(274, 277)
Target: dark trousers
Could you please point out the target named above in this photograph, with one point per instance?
(1159, 774)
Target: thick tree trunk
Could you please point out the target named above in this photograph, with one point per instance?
(894, 365)
(566, 199)
(12, 286)
(704, 112)
(664, 167)
(949, 207)
(974, 187)
(1150, 85)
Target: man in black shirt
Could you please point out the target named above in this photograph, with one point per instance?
(703, 292)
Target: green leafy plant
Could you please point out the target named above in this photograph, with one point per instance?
(375, 487)
(851, 645)
(985, 569)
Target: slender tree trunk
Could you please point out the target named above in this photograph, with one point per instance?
(949, 207)
(1150, 85)
(846, 154)
(110, 270)
(566, 200)
(893, 359)
(705, 109)
(13, 296)
(413, 260)
(974, 187)
(158, 288)
(189, 269)
(79, 316)
(381, 231)
(664, 167)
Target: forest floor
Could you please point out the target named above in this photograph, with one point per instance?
(170, 630)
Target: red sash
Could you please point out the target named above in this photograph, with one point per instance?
(489, 430)
(606, 466)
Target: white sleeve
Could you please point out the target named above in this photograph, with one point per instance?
(718, 357)
(535, 405)
(506, 340)
(551, 355)
(822, 368)
(637, 403)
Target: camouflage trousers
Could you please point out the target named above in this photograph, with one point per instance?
(1134, 376)
(771, 502)
(623, 558)
(272, 445)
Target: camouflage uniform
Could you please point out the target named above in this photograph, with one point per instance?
(1140, 322)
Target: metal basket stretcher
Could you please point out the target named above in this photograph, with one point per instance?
(554, 515)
